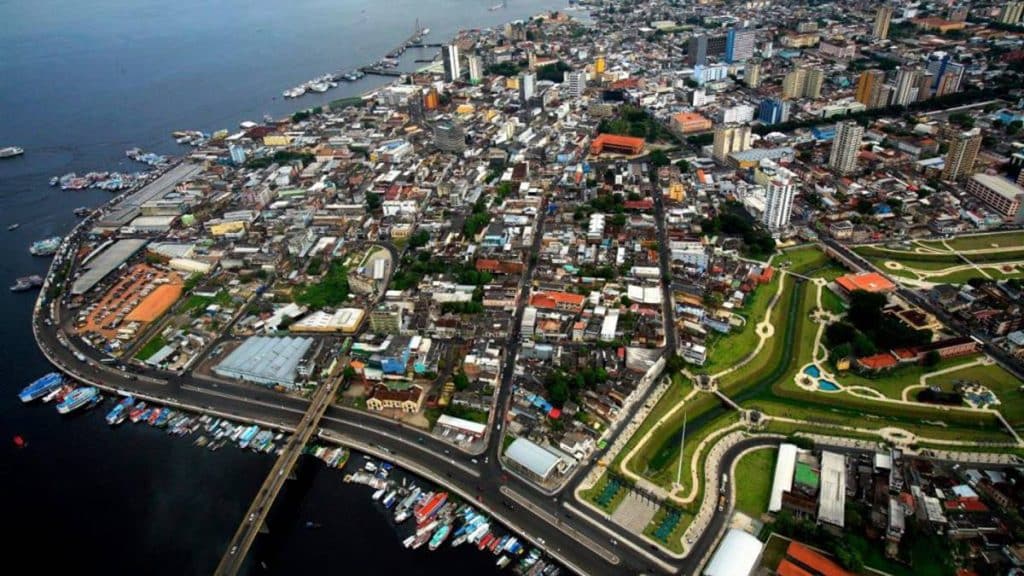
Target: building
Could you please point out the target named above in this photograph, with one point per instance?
(576, 82)
(773, 111)
(703, 74)
(386, 319)
(867, 281)
(343, 320)
(832, 497)
(237, 154)
(803, 83)
(739, 114)
(882, 18)
(449, 136)
(905, 90)
(843, 157)
(527, 86)
(780, 187)
(785, 467)
(476, 68)
(963, 151)
(616, 144)
(752, 74)
(1011, 12)
(838, 48)
(737, 555)
(947, 74)
(739, 45)
(690, 122)
(407, 400)
(266, 360)
(701, 46)
(867, 87)
(1000, 194)
(452, 66)
(729, 139)
(532, 458)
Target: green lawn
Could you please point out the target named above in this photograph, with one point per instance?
(831, 302)
(729, 349)
(893, 383)
(802, 259)
(753, 481)
(980, 241)
(1005, 385)
(674, 395)
(963, 276)
(151, 347)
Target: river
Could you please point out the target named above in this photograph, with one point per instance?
(81, 83)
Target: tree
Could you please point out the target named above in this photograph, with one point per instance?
(373, 201)
(658, 158)
(348, 373)
(932, 358)
(420, 238)
(461, 381)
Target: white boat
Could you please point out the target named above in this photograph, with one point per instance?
(378, 494)
(11, 151)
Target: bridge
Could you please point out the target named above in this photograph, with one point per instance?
(255, 519)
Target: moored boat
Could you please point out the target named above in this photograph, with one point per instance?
(78, 398)
(42, 387)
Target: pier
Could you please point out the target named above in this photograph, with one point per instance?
(378, 71)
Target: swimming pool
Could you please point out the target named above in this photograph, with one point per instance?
(812, 371)
(827, 386)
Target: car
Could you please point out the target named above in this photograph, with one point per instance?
(420, 439)
(614, 542)
(234, 549)
(541, 541)
(474, 461)
(252, 517)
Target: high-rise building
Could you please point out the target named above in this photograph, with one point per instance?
(476, 68)
(947, 73)
(843, 157)
(527, 86)
(729, 139)
(957, 13)
(449, 136)
(752, 74)
(881, 96)
(963, 151)
(803, 83)
(701, 46)
(866, 85)
(780, 187)
(882, 18)
(739, 45)
(905, 89)
(773, 111)
(599, 65)
(1011, 12)
(237, 154)
(452, 67)
(576, 81)
(925, 81)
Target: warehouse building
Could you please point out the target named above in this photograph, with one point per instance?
(266, 360)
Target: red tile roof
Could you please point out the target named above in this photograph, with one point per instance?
(787, 568)
(869, 281)
(878, 361)
(814, 561)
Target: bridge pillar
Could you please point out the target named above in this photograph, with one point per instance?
(264, 529)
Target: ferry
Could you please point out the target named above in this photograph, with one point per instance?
(13, 227)
(439, 536)
(11, 151)
(120, 412)
(430, 507)
(78, 398)
(41, 387)
(45, 247)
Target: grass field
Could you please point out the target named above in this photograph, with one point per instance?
(753, 481)
(729, 349)
(801, 260)
(980, 241)
(674, 395)
(1005, 385)
(893, 383)
(151, 347)
(963, 276)
(831, 302)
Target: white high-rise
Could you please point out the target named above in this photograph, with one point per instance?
(527, 86)
(476, 68)
(906, 88)
(843, 157)
(780, 187)
(452, 67)
(576, 80)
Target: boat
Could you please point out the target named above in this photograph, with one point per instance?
(485, 541)
(425, 31)
(11, 151)
(78, 398)
(313, 525)
(439, 536)
(499, 545)
(378, 494)
(390, 499)
(120, 412)
(27, 283)
(82, 211)
(136, 414)
(503, 561)
(59, 392)
(14, 226)
(54, 181)
(153, 415)
(45, 247)
(430, 507)
(42, 387)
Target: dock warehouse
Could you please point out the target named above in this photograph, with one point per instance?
(266, 360)
(532, 458)
(100, 266)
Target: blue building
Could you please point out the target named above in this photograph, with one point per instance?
(773, 111)
(739, 45)
(824, 133)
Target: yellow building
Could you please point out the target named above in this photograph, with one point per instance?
(676, 191)
(599, 65)
(277, 140)
(227, 228)
(512, 83)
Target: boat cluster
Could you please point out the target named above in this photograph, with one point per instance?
(149, 158)
(27, 283)
(439, 518)
(317, 85)
(111, 181)
(190, 137)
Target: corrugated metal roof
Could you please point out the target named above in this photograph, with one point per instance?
(266, 359)
(532, 456)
